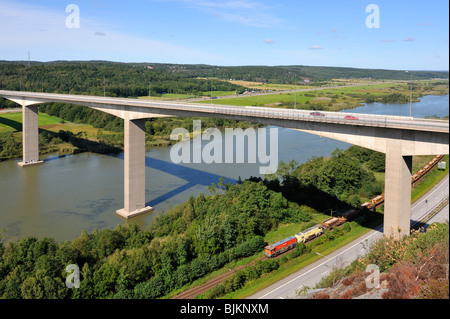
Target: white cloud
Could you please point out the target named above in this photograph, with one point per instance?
(44, 33)
(269, 41)
(409, 39)
(243, 4)
(246, 12)
(316, 47)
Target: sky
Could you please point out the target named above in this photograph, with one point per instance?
(382, 34)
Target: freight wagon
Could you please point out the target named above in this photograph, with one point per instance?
(373, 203)
(309, 234)
(350, 214)
(424, 170)
(333, 222)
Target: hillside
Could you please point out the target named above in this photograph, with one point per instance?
(132, 79)
(415, 267)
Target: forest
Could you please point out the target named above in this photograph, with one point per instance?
(103, 78)
(186, 242)
(140, 79)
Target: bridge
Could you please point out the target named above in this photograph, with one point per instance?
(398, 137)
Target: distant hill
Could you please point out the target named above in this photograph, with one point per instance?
(326, 73)
(268, 74)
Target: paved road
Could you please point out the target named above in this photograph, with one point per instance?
(10, 110)
(442, 216)
(311, 275)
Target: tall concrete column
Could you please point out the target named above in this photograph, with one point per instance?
(397, 198)
(30, 136)
(134, 169)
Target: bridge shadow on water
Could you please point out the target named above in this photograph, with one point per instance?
(311, 196)
(192, 176)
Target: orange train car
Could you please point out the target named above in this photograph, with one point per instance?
(333, 222)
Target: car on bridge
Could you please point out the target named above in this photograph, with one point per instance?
(317, 114)
(351, 117)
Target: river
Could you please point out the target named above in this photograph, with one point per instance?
(79, 192)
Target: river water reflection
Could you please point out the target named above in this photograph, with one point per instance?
(69, 194)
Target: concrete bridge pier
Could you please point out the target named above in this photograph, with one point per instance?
(397, 190)
(134, 169)
(30, 135)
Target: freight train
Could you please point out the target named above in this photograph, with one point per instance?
(291, 242)
(304, 236)
(424, 170)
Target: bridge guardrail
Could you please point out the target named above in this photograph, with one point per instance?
(288, 114)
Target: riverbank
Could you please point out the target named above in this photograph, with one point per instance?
(56, 136)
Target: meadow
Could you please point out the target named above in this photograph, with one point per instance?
(335, 99)
(12, 122)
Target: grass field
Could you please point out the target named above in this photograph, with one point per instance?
(340, 97)
(12, 122)
(334, 99)
(268, 86)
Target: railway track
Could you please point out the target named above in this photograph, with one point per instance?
(193, 292)
(196, 291)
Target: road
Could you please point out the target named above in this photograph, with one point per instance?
(10, 110)
(311, 275)
(249, 94)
